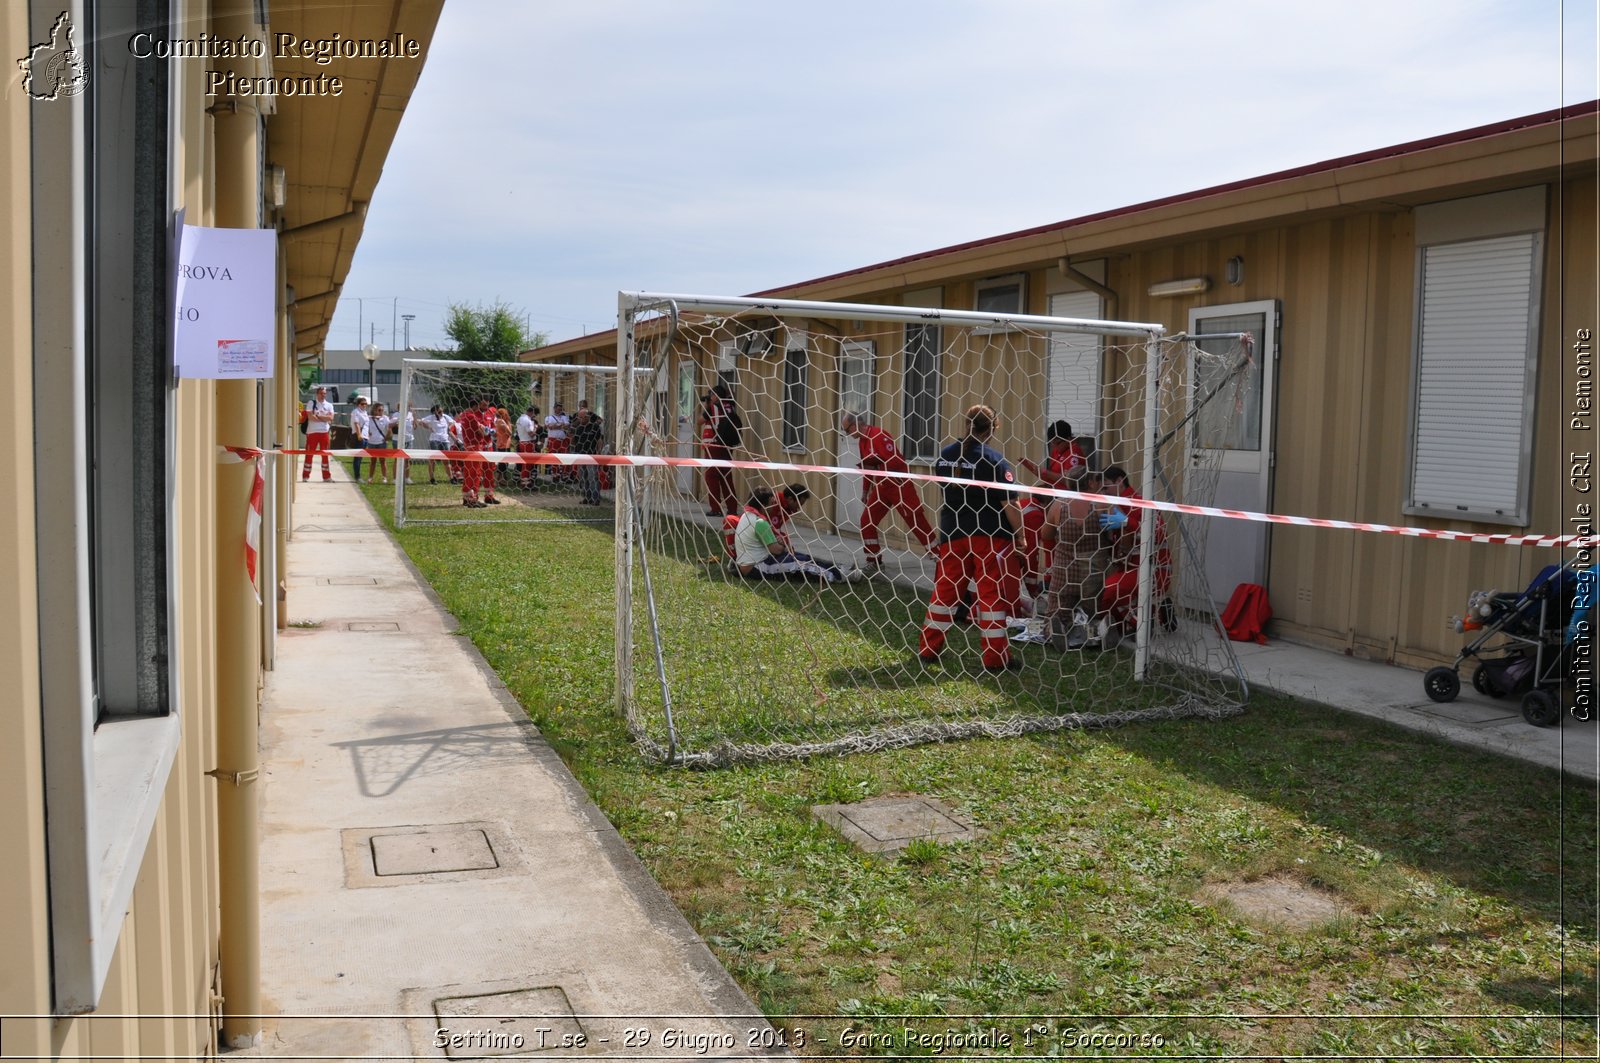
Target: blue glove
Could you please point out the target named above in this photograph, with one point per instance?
(1113, 519)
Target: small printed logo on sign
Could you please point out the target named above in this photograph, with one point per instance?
(54, 69)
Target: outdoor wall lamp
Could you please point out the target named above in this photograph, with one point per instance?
(1234, 270)
(1186, 286)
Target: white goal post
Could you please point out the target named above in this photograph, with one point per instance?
(788, 364)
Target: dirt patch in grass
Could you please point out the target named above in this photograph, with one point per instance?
(1279, 900)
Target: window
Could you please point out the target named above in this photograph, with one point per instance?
(1476, 336)
(920, 441)
(103, 496)
(1002, 295)
(1072, 384)
(795, 364)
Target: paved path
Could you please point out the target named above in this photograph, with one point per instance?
(427, 857)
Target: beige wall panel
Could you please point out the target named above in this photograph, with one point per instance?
(1376, 561)
(24, 977)
(160, 972)
(110, 1032)
(1320, 403)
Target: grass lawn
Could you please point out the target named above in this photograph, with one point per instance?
(1466, 882)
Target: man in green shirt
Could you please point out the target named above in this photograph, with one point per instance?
(759, 552)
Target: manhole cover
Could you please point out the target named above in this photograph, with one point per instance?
(886, 824)
(511, 1023)
(1278, 900)
(372, 625)
(432, 852)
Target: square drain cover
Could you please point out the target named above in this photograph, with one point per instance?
(510, 1023)
(372, 625)
(886, 824)
(431, 852)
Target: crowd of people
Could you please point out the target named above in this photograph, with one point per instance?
(480, 426)
(1000, 554)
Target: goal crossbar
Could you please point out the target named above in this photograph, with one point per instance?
(631, 301)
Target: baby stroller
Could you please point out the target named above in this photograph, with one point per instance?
(1524, 642)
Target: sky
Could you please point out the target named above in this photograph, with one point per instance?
(553, 154)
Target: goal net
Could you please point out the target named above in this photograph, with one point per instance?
(537, 408)
(804, 575)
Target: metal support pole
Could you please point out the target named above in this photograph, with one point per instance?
(238, 618)
(622, 430)
(400, 466)
(1147, 523)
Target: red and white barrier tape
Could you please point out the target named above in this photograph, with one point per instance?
(252, 520)
(650, 460)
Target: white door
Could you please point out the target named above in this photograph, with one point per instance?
(857, 381)
(1072, 387)
(1241, 443)
(688, 425)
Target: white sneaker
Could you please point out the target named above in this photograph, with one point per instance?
(855, 575)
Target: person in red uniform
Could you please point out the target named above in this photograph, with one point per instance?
(1061, 457)
(1120, 598)
(319, 422)
(477, 433)
(720, 436)
(883, 493)
(976, 527)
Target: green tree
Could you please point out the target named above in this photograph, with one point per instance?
(492, 333)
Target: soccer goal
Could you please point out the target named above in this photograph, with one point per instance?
(542, 408)
(812, 432)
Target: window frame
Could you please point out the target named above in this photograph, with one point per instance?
(924, 449)
(1479, 219)
(796, 391)
(980, 288)
(101, 190)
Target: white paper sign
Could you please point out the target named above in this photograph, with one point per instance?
(225, 318)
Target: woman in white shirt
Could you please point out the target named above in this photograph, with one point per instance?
(379, 424)
(358, 430)
(438, 423)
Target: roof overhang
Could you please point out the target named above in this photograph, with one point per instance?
(332, 148)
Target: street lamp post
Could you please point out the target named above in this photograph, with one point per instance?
(370, 352)
(408, 318)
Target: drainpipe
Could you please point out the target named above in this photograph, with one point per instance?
(236, 135)
(1069, 270)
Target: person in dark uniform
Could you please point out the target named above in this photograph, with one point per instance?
(976, 527)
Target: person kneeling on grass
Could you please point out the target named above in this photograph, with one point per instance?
(760, 553)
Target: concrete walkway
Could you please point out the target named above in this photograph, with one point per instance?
(428, 862)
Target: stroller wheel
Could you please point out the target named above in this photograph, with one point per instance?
(1442, 683)
(1539, 708)
(1483, 682)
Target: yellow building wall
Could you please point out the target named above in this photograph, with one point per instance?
(167, 950)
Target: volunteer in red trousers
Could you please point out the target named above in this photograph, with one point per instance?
(976, 527)
(1062, 456)
(556, 429)
(1121, 595)
(477, 429)
(882, 493)
(720, 435)
(319, 421)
